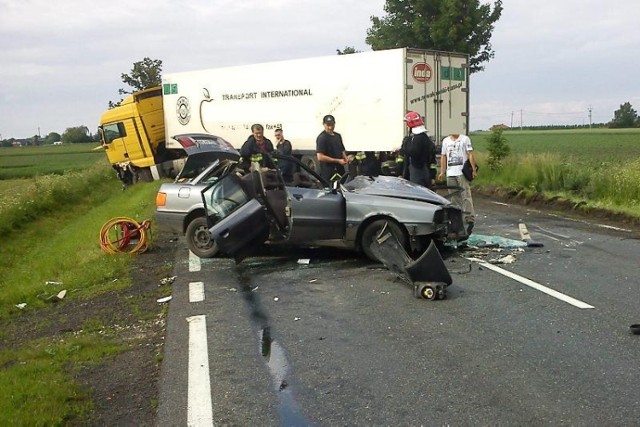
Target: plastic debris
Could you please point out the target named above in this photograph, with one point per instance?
(296, 319)
(168, 280)
(22, 305)
(165, 299)
(304, 261)
(55, 297)
(509, 259)
(276, 299)
(313, 280)
(51, 282)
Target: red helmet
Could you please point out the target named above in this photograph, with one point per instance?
(413, 119)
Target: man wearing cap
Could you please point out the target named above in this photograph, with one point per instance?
(330, 151)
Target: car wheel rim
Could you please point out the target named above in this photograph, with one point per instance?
(202, 238)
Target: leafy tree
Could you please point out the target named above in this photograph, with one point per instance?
(76, 135)
(498, 149)
(625, 117)
(52, 137)
(144, 74)
(462, 26)
(347, 50)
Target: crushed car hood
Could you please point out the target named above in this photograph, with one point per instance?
(388, 186)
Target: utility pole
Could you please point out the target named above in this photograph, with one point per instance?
(520, 119)
(511, 125)
(590, 110)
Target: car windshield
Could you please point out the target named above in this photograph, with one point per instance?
(225, 196)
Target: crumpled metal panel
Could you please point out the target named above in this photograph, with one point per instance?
(428, 268)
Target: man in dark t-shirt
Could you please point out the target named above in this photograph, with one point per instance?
(330, 151)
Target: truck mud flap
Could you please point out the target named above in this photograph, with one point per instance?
(428, 268)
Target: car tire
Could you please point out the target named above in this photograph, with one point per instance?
(371, 231)
(199, 239)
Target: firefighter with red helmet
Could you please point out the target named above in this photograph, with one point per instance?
(418, 152)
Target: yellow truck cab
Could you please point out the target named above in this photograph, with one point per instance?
(133, 136)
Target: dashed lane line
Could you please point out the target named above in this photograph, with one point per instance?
(532, 284)
(196, 291)
(194, 262)
(199, 407)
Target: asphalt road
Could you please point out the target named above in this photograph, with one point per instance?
(341, 341)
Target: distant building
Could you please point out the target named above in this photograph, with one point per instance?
(57, 142)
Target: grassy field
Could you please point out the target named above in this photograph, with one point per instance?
(585, 146)
(50, 225)
(594, 169)
(26, 162)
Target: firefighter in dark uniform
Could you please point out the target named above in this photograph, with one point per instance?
(332, 156)
(418, 152)
(253, 149)
(368, 163)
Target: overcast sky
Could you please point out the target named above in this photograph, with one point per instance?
(61, 60)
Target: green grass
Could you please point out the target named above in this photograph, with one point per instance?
(40, 252)
(24, 162)
(597, 168)
(58, 240)
(36, 389)
(585, 146)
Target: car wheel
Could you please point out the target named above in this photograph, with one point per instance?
(199, 239)
(373, 229)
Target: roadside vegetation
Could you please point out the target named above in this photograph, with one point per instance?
(589, 169)
(27, 162)
(50, 226)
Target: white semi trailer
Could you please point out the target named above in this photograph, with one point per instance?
(368, 93)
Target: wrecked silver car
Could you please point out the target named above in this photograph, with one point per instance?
(245, 210)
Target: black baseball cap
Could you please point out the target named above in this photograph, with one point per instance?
(328, 119)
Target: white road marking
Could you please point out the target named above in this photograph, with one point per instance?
(196, 291)
(194, 262)
(199, 409)
(610, 227)
(532, 284)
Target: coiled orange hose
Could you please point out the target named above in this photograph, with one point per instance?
(124, 235)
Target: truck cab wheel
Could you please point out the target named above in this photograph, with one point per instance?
(199, 239)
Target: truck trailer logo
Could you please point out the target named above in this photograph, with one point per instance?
(421, 72)
(183, 110)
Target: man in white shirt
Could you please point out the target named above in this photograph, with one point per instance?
(456, 149)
